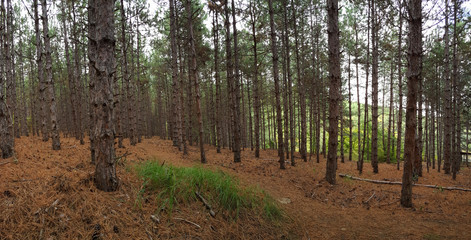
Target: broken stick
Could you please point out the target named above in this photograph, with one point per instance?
(208, 206)
(190, 222)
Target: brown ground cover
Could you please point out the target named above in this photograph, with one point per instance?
(46, 194)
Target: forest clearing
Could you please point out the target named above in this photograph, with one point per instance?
(235, 119)
(42, 187)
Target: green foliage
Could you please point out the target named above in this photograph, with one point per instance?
(174, 185)
(432, 236)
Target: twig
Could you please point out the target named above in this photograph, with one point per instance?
(122, 156)
(190, 222)
(3, 163)
(374, 193)
(24, 180)
(400, 183)
(148, 234)
(208, 206)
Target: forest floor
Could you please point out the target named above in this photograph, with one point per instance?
(46, 194)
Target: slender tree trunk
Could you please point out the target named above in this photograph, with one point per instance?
(236, 90)
(286, 68)
(399, 75)
(194, 76)
(11, 74)
(6, 138)
(77, 84)
(365, 122)
(301, 88)
(177, 139)
(360, 159)
(218, 84)
(418, 145)
(255, 83)
(414, 75)
(391, 114)
(457, 96)
(274, 52)
(374, 83)
(335, 87)
(350, 126)
(447, 94)
(70, 72)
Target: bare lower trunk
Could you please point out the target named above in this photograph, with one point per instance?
(102, 97)
(414, 75)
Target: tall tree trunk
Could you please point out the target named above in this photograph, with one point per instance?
(77, 77)
(414, 75)
(391, 113)
(447, 155)
(102, 96)
(255, 82)
(11, 75)
(177, 136)
(374, 83)
(365, 122)
(350, 126)
(49, 84)
(70, 72)
(418, 145)
(92, 73)
(236, 89)
(286, 69)
(399, 76)
(6, 138)
(218, 84)
(457, 96)
(301, 88)
(274, 52)
(335, 87)
(360, 160)
(194, 76)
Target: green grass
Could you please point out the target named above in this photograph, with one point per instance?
(174, 185)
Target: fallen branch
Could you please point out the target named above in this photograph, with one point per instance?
(24, 180)
(400, 183)
(208, 206)
(190, 222)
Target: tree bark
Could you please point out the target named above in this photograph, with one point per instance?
(414, 75)
(335, 87)
(399, 76)
(49, 84)
(236, 90)
(256, 88)
(374, 83)
(194, 76)
(447, 154)
(6, 137)
(177, 137)
(102, 96)
(274, 53)
(301, 88)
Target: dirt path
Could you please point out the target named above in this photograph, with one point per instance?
(49, 194)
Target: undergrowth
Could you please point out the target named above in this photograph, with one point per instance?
(174, 185)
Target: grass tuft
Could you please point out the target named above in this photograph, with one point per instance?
(175, 185)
